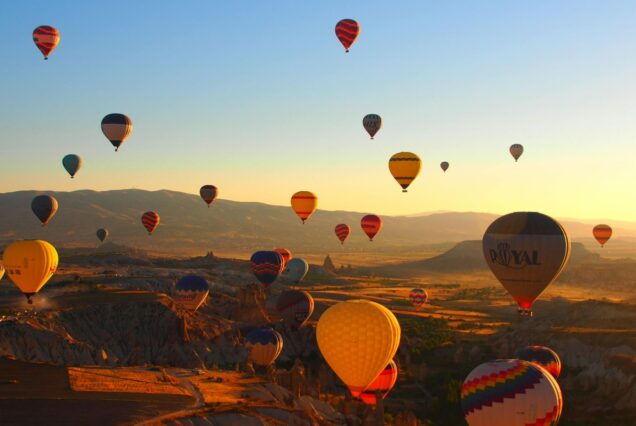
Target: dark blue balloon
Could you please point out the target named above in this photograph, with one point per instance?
(264, 337)
(192, 283)
(267, 266)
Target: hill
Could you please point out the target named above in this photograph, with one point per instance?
(188, 227)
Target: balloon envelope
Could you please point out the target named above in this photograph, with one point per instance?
(526, 251)
(444, 165)
(102, 234)
(418, 297)
(516, 150)
(208, 193)
(46, 38)
(342, 232)
(72, 163)
(267, 266)
(295, 307)
(542, 356)
(117, 128)
(44, 207)
(510, 392)
(264, 346)
(347, 31)
(150, 221)
(296, 269)
(405, 166)
(304, 204)
(30, 264)
(371, 225)
(383, 383)
(372, 123)
(358, 338)
(286, 253)
(190, 292)
(602, 233)
(1, 270)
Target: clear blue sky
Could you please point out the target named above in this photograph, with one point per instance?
(258, 98)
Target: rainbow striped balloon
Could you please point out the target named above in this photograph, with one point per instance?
(418, 297)
(511, 392)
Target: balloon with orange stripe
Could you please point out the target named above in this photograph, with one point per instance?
(304, 204)
(46, 38)
(602, 233)
(371, 225)
(342, 232)
(383, 383)
(347, 31)
(285, 253)
(405, 166)
(150, 221)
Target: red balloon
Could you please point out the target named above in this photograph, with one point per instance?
(150, 220)
(371, 225)
(285, 253)
(383, 383)
(342, 232)
(347, 30)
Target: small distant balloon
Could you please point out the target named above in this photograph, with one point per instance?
(150, 221)
(116, 128)
(342, 232)
(516, 150)
(72, 163)
(444, 165)
(542, 356)
(44, 207)
(405, 166)
(418, 298)
(267, 266)
(602, 233)
(347, 31)
(372, 124)
(371, 225)
(304, 203)
(208, 194)
(46, 38)
(102, 234)
(296, 269)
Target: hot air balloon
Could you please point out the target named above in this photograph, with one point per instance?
(542, 356)
(46, 38)
(418, 298)
(150, 221)
(267, 266)
(444, 165)
(72, 163)
(372, 124)
(190, 292)
(358, 338)
(102, 234)
(383, 383)
(511, 392)
(209, 194)
(405, 166)
(516, 150)
(347, 31)
(602, 233)
(296, 269)
(1, 270)
(371, 225)
(295, 307)
(30, 264)
(304, 204)
(526, 251)
(286, 253)
(44, 207)
(264, 346)
(116, 128)
(342, 232)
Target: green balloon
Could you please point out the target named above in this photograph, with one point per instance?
(72, 163)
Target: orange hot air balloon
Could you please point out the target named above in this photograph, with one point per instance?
(602, 233)
(46, 38)
(150, 220)
(405, 166)
(286, 253)
(371, 225)
(304, 204)
(526, 251)
(30, 264)
(342, 232)
(347, 31)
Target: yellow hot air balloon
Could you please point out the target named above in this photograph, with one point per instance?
(304, 204)
(405, 166)
(30, 264)
(1, 270)
(358, 338)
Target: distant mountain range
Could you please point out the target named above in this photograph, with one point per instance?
(189, 227)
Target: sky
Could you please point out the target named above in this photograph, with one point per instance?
(259, 99)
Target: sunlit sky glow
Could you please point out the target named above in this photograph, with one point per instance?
(259, 98)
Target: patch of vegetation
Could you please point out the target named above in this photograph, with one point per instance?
(425, 334)
(484, 293)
